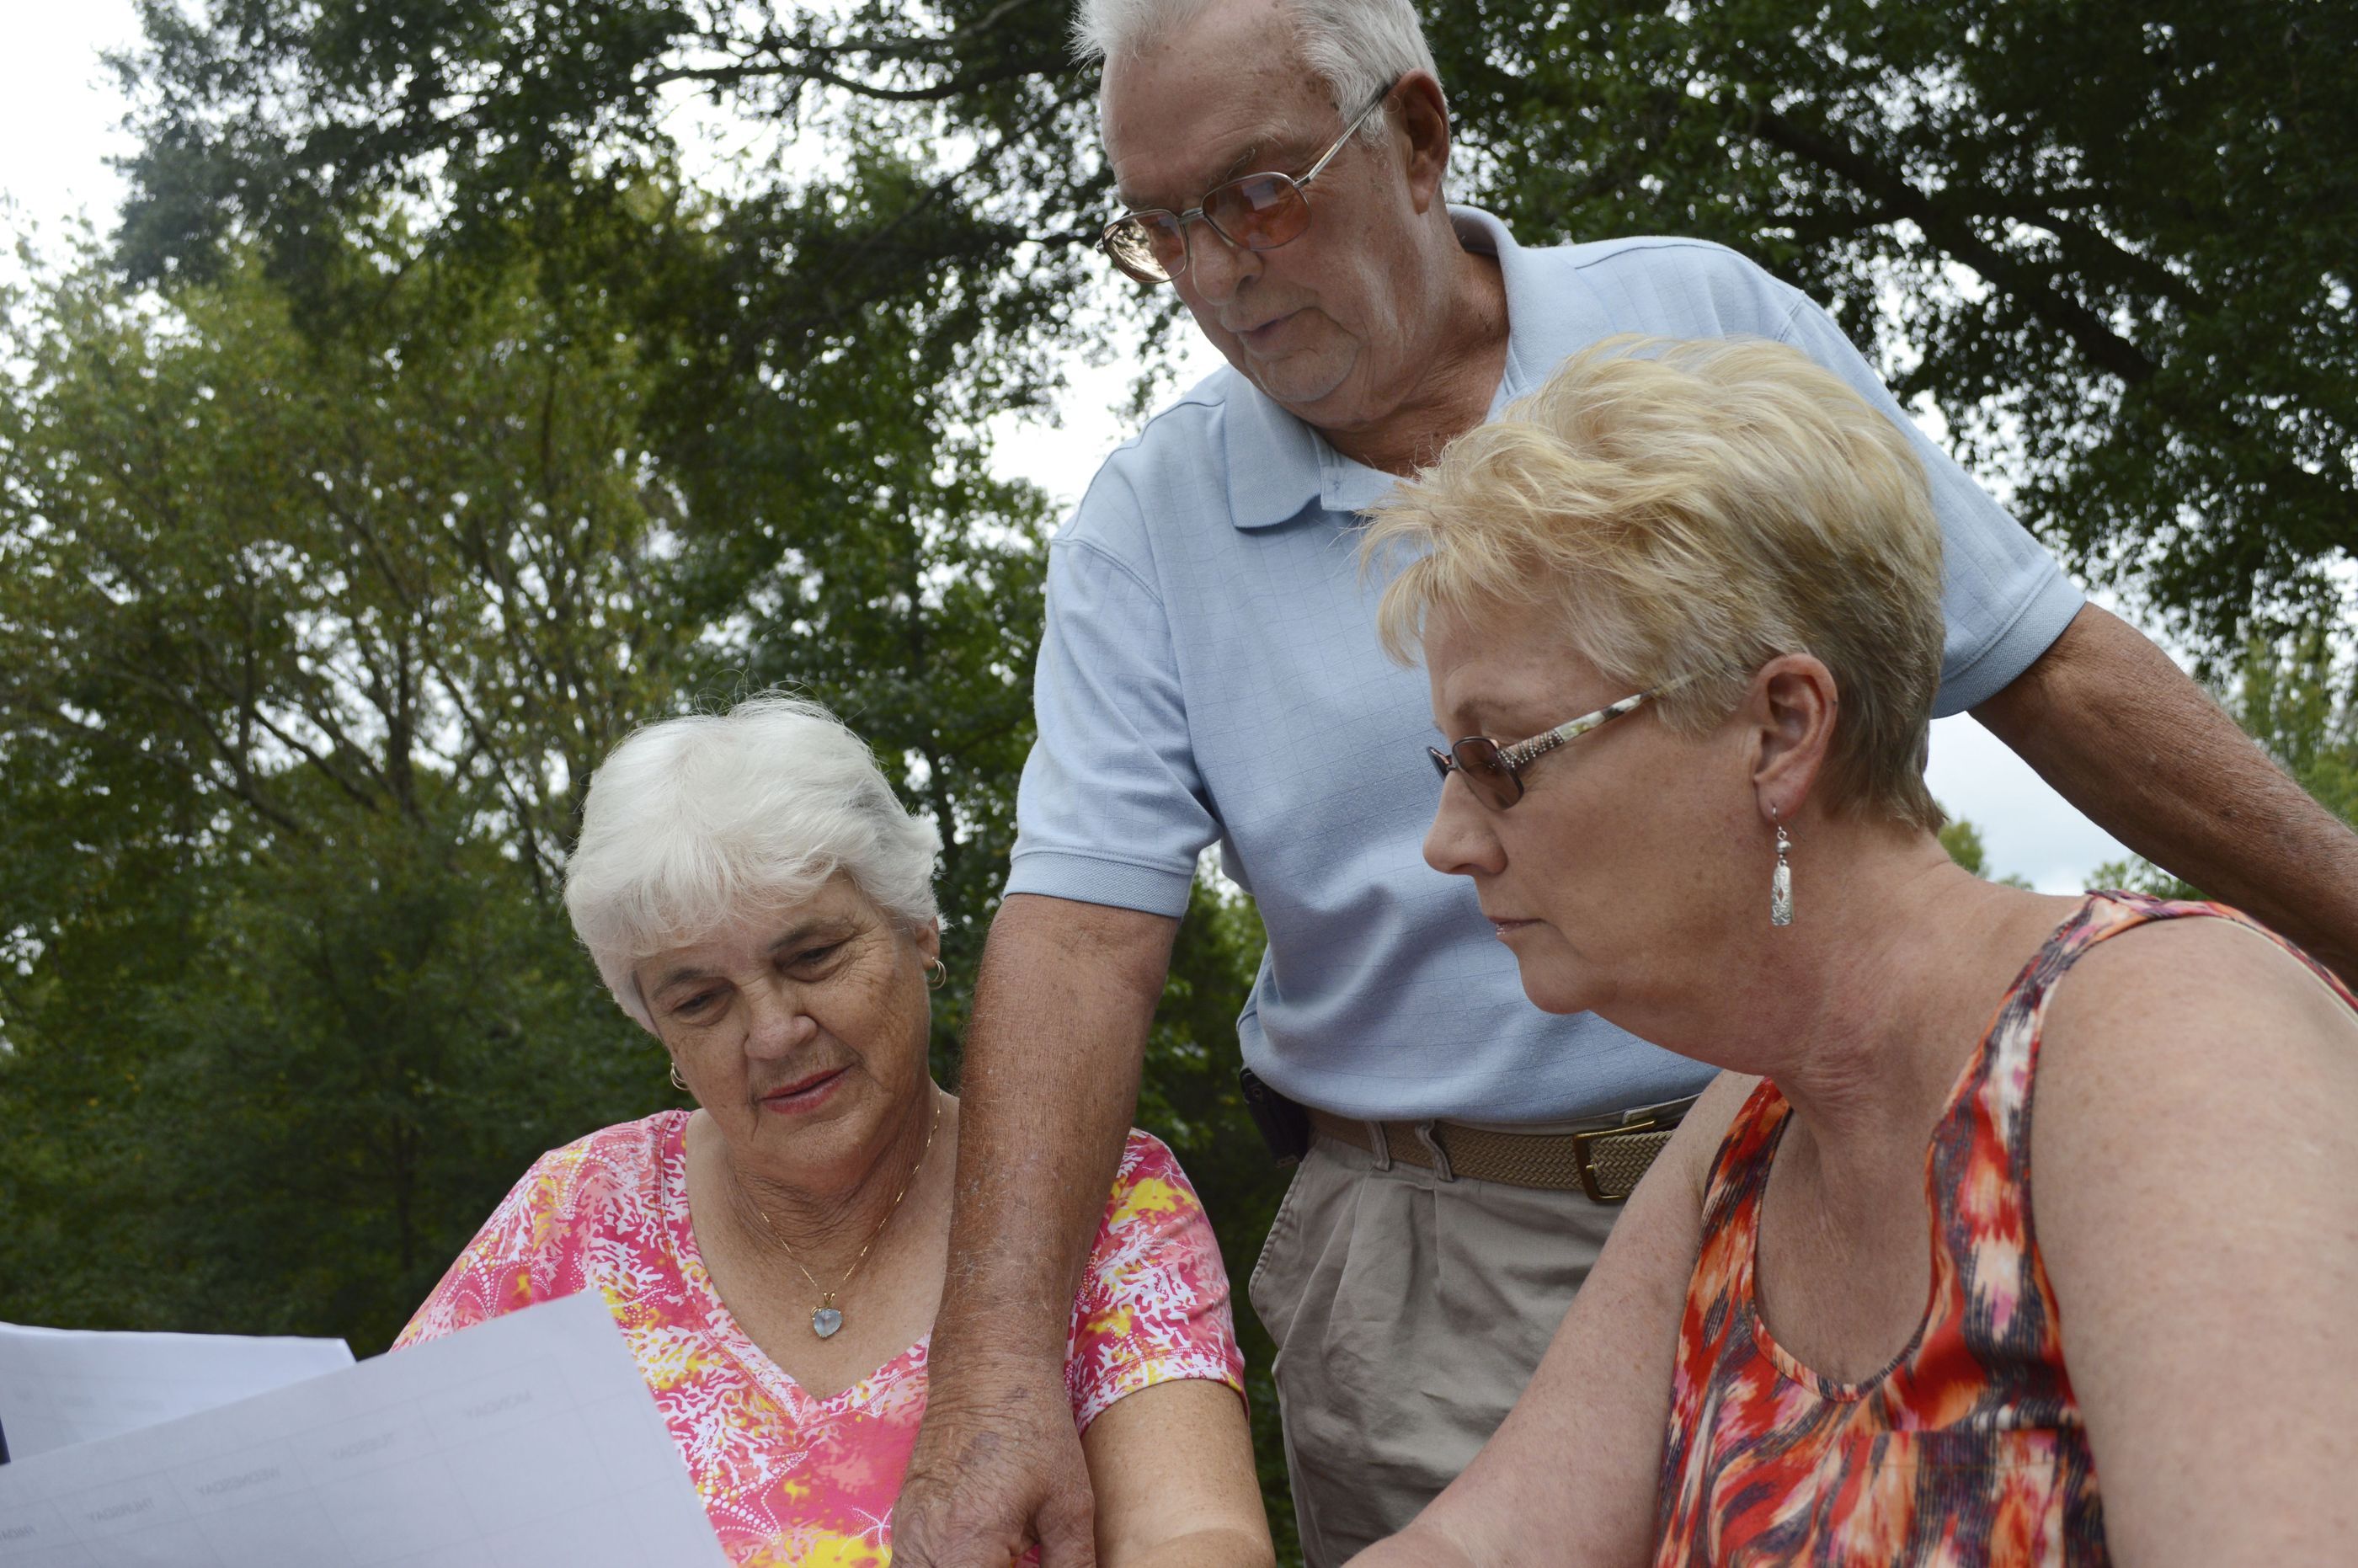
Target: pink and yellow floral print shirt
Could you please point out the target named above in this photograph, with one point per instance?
(788, 1480)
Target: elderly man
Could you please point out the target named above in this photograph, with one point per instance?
(1211, 672)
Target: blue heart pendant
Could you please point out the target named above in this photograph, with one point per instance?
(826, 1321)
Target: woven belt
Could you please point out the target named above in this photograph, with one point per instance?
(1604, 1162)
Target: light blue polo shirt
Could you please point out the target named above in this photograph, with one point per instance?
(1210, 673)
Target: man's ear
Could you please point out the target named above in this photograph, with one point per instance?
(1423, 118)
(1789, 714)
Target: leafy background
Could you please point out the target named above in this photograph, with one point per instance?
(440, 413)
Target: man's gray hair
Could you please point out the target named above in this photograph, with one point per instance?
(1357, 48)
(695, 823)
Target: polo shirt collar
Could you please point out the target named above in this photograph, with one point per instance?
(1278, 465)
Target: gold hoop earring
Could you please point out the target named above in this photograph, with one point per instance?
(676, 1081)
(938, 976)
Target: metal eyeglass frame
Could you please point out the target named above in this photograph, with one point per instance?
(1522, 753)
(1197, 214)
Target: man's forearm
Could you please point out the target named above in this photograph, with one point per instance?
(2122, 734)
(1049, 1087)
(1053, 1056)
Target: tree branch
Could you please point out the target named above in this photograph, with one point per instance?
(1952, 230)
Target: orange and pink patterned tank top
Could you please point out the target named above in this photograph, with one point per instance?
(1968, 1449)
(790, 1480)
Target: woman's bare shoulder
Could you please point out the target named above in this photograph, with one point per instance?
(2162, 1038)
(2195, 1151)
(2207, 989)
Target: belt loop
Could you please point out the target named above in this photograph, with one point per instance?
(1432, 1147)
(1380, 1143)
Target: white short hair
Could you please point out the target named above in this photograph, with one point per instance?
(1357, 48)
(695, 823)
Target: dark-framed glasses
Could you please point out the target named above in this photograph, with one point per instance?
(1257, 212)
(1494, 773)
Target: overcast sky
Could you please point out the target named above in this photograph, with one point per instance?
(59, 111)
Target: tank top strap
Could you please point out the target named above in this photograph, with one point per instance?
(1734, 1187)
(2135, 909)
(1974, 1427)
(1992, 1105)
(1740, 1166)
(1990, 1296)
(1994, 1085)
(1994, 1300)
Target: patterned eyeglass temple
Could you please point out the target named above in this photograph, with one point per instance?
(1522, 752)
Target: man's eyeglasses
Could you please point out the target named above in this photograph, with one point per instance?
(1257, 212)
(1494, 773)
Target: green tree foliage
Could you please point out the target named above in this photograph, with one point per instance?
(2111, 245)
(548, 128)
(1962, 840)
(824, 346)
(288, 614)
(305, 651)
(2299, 699)
(309, 640)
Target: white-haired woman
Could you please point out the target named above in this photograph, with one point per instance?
(755, 896)
(1697, 588)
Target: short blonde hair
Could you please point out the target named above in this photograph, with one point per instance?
(1687, 512)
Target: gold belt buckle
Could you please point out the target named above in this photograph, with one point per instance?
(1649, 1129)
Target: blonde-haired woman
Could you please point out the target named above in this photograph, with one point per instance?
(1695, 590)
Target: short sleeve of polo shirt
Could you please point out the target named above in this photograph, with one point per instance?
(2004, 597)
(1111, 809)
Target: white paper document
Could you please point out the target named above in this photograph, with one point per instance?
(527, 1441)
(63, 1386)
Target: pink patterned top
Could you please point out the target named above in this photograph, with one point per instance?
(788, 1480)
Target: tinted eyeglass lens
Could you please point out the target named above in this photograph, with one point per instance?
(1261, 212)
(1485, 772)
(1148, 246)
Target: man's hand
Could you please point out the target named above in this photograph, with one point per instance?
(1053, 1057)
(997, 1467)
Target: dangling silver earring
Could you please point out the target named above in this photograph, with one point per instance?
(938, 976)
(1781, 881)
(676, 1081)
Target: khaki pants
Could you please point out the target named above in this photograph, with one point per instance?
(1409, 1312)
